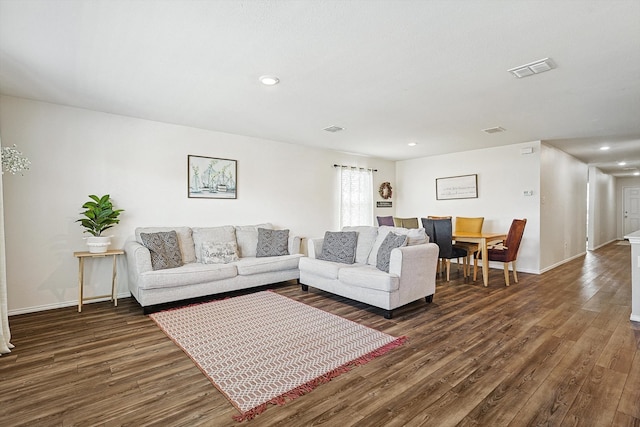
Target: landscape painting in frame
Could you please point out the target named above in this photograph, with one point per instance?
(212, 178)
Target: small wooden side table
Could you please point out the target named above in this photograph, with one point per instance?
(81, 257)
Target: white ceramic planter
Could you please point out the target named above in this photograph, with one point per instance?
(98, 245)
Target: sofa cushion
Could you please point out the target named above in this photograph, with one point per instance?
(185, 240)
(366, 237)
(251, 265)
(339, 246)
(219, 253)
(369, 277)
(247, 238)
(326, 269)
(414, 237)
(188, 274)
(164, 249)
(272, 242)
(383, 230)
(223, 234)
(389, 243)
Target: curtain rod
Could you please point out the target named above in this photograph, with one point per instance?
(354, 167)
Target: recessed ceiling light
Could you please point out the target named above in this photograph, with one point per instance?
(269, 80)
(622, 163)
(604, 148)
(412, 144)
(636, 173)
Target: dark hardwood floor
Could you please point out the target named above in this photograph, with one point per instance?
(554, 349)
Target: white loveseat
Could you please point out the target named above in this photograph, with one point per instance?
(411, 276)
(195, 278)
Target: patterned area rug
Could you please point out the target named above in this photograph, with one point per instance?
(264, 348)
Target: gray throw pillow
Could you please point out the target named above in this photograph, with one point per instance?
(339, 246)
(272, 242)
(164, 248)
(389, 243)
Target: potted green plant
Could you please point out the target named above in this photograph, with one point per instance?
(98, 217)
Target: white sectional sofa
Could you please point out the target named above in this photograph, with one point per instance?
(195, 272)
(411, 269)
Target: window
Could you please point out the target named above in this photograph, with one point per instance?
(356, 196)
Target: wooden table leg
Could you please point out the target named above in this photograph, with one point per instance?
(80, 283)
(485, 262)
(114, 294)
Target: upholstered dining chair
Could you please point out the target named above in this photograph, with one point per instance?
(469, 225)
(385, 220)
(406, 222)
(440, 233)
(505, 252)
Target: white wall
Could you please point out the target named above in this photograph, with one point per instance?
(503, 176)
(621, 183)
(602, 208)
(563, 207)
(142, 164)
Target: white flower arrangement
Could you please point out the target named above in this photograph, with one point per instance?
(13, 161)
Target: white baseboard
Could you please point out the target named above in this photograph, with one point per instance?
(558, 264)
(605, 244)
(635, 317)
(61, 305)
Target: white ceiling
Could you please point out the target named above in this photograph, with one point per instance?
(390, 72)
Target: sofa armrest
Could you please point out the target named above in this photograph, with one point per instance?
(416, 266)
(138, 260)
(294, 245)
(314, 247)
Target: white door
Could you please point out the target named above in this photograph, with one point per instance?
(631, 209)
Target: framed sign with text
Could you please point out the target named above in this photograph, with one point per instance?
(457, 187)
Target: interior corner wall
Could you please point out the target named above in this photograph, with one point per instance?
(563, 207)
(602, 208)
(504, 174)
(143, 166)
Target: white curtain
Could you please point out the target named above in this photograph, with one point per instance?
(5, 334)
(356, 196)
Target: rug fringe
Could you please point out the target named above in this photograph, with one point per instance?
(323, 379)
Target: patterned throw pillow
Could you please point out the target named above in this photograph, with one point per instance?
(389, 243)
(272, 242)
(339, 246)
(164, 248)
(219, 253)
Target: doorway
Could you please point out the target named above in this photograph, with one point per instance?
(630, 210)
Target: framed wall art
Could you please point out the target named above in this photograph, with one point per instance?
(457, 187)
(212, 178)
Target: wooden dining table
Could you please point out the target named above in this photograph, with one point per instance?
(483, 239)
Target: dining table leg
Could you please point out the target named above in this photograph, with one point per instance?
(485, 262)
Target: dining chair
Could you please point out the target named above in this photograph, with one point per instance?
(385, 220)
(506, 251)
(440, 233)
(405, 222)
(469, 225)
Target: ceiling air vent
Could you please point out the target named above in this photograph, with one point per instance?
(494, 130)
(532, 68)
(333, 129)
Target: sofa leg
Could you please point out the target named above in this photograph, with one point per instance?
(305, 288)
(388, 314)
(429, 298)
